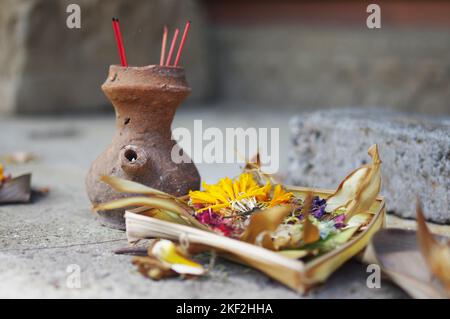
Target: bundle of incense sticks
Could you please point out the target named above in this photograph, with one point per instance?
(172, 45)
(163, 60)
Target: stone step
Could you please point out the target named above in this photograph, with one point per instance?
(327, 145)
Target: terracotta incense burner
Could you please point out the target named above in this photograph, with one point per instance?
(145, 100)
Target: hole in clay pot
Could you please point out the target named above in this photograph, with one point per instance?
(130, 155)
(127, 120)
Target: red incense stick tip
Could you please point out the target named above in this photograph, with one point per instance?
(119, 41)
(183, 39)
(172, 46)
(163, 46)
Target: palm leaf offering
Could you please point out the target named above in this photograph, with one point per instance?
(298, 236)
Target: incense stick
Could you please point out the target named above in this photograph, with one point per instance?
(163, 46)
(183, 39)
(119, 41)
(172, 46)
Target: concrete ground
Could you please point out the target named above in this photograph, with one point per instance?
(39, 241)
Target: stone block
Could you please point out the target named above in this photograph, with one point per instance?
(326, 145)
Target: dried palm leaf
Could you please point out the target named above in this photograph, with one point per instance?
(127, 186)
(399, 256)
(254, 167)
(359, 189)
(166, 215)
(16, 190)
(360, 220)
(154, 202)
(437, 255)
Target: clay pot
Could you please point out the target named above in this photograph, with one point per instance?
(145, 100)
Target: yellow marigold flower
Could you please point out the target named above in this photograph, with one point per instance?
(227, 192)
(280, 196)
(2, 177)
(238, 195)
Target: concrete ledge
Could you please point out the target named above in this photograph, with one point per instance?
(326, 145)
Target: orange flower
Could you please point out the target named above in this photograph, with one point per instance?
(280, 196)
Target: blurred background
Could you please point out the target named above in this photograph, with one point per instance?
(292, 55)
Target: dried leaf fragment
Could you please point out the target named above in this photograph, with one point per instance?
(16, 190)
(360, 220)
(398, 253)
(152, 268)
(127, 186)
(437, 255)
(163, 259)
(359, 189)
(20, 157)
(311, 233)
(167, 204)
(254, 167)
(263, 224)
(165, 215)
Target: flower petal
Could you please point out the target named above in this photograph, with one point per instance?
(166, 252)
